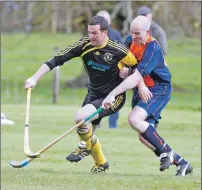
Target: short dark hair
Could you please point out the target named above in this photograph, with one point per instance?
(144, 11)
(99, 20)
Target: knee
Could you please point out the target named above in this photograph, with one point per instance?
(78, 117)
(133, 121)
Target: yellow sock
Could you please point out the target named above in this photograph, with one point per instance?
(96, 152)
(86, 136)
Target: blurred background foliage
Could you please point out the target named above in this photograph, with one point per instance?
(177, 18)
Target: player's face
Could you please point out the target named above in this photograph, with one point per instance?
(97, 37)
(139, 36)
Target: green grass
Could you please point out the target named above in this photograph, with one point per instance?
(132, 166)
(184, 62)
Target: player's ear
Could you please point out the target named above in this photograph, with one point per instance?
(105, 32)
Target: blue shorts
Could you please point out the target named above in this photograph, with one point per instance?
(161, 96)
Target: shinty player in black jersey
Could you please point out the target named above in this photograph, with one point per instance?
(102, 58)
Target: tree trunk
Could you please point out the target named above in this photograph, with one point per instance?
(69, 17)
(28, 24)
(55, 7)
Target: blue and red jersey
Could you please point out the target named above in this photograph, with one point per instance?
(151, 62)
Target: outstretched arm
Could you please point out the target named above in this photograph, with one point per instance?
(70, 52)
(145, 67)
(129, 83)
(32, 81)
(143, 90)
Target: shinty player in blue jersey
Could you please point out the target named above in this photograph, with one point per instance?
(146, 113)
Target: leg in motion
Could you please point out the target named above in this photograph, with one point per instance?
(137, 120)
(101, 163)
(183, 167)
(90, 144)
(145, 142)
(85, 134)
(145, 116)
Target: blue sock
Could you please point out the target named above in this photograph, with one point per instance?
(153, 137)
(178, 160)
(157, 152)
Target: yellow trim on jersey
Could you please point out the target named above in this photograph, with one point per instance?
(120, 65)
(97, 47)
(86, 45)
(117, 102)
(129, 60)
(118, 46)
(70, 47)
(62, 52)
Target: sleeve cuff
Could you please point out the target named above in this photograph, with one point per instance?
(49, 65)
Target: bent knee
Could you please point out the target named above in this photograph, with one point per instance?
(78, 117)
(133, 121)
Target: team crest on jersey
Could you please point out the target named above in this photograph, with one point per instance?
(97, 53)
(108, 57)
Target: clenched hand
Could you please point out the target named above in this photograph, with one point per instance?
(108, 102)
(144, 93)
(124, 72)
(30, 83)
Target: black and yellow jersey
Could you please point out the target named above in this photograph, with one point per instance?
(102, 63)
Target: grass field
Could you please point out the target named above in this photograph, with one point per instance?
(132, 166)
